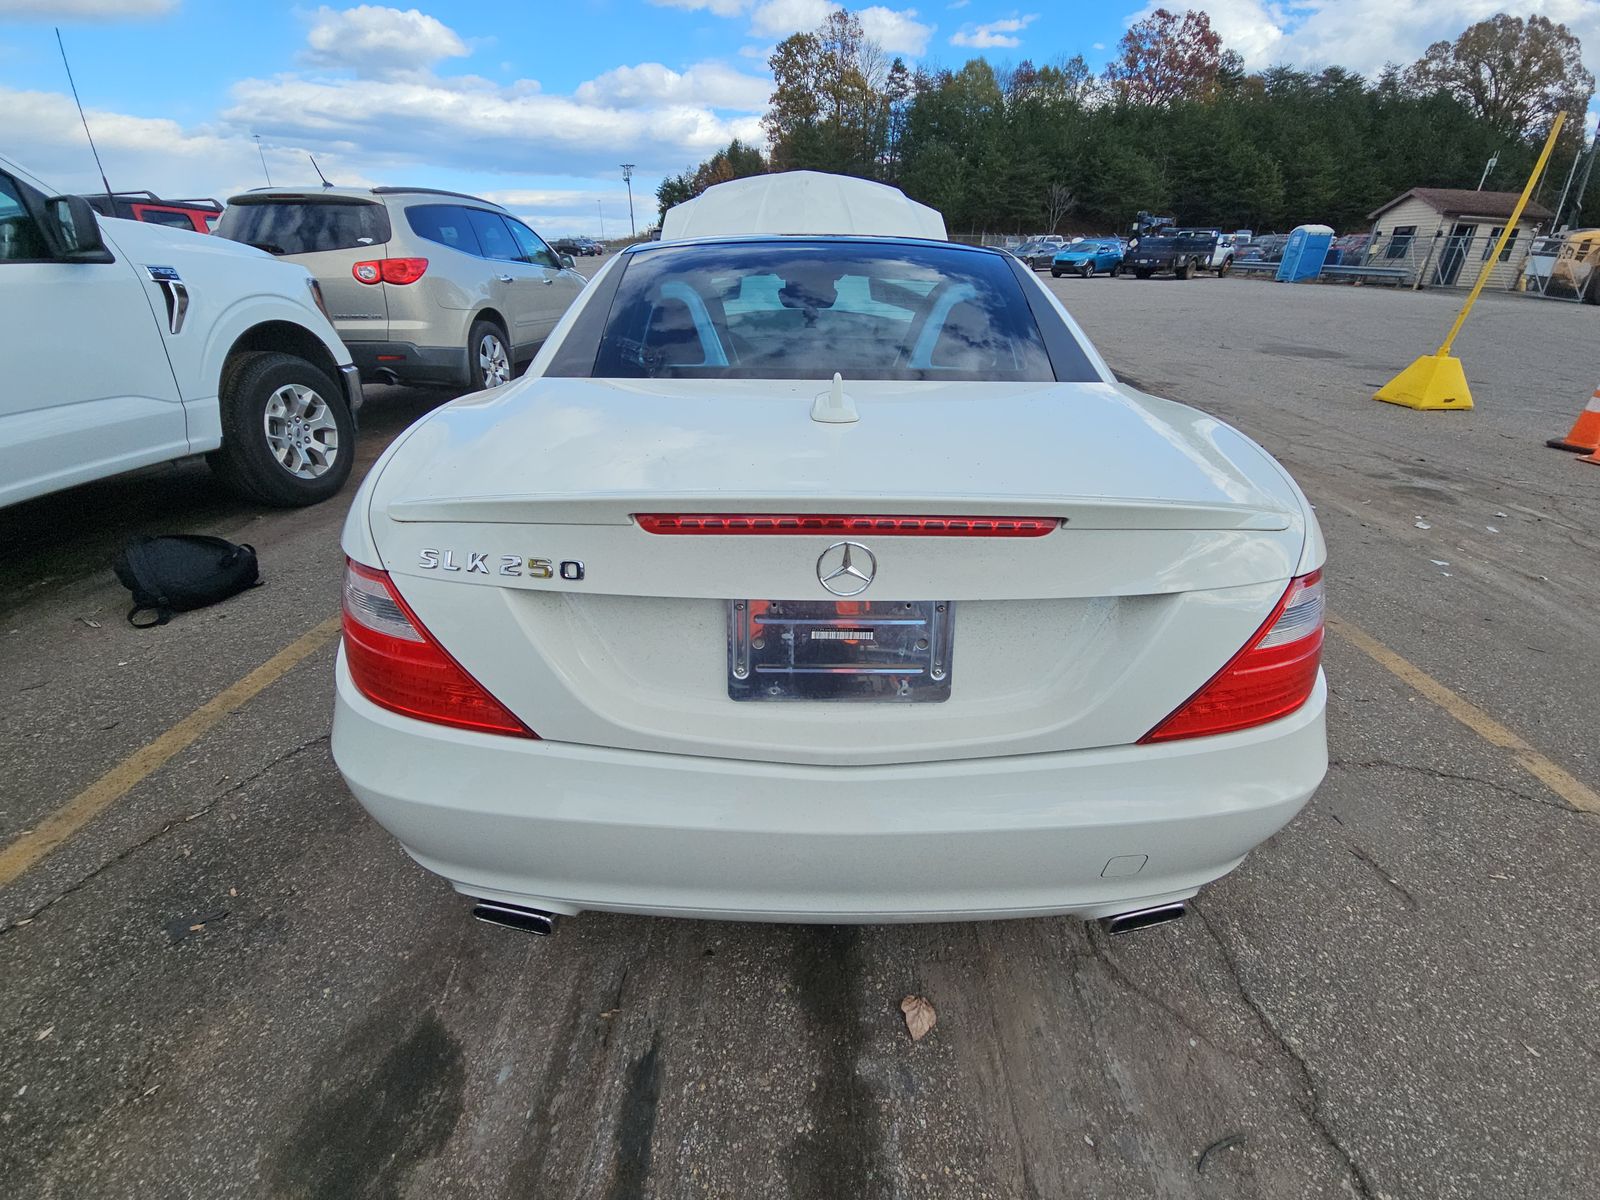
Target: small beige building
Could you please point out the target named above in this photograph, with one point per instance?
(1447, 234)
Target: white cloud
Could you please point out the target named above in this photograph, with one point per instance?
(86, 10)
(994, 33)
(475, 124)
(760, 53)
(373, 40)
(46, 138)
(721, 8)
(896, 30)
(958, 3)
(1363, 35)
(649, 84)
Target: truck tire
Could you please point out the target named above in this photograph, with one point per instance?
(1142, 272)
(1225, 266)
(1182, 270)
(288, 439)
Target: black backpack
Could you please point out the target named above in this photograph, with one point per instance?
(183, 571)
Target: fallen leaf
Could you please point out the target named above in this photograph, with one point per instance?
(44, 1033)
(920, 1016)
(92, 624)
(197, 928)
(233, 891)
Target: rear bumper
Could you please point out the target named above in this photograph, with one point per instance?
(410, 363)
(564, 827)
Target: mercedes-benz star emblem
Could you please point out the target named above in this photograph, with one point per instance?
(846, 568)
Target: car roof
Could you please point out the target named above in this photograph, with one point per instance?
(263, 194)
(779, 239)
(802, 202)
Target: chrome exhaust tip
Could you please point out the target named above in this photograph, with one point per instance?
(1143, 918)
(514, 916)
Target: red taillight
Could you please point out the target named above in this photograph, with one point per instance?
(396, 663)
(390, 270)
(1271, 677)
(803, 523)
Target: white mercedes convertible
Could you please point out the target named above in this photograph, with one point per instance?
(820, 570)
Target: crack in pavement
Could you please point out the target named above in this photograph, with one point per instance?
(204, 810)
(1383, 873)
(1099, 952)
(1435, 773)
(1312, 1105)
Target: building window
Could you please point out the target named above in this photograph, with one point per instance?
(1494, 240)
(1505, 255)
(1400, 241)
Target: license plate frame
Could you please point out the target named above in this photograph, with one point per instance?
(873, 651)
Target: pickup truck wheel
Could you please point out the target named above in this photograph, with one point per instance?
(1182, 270)
(288, 439)
(1227, 265)
(488, 356)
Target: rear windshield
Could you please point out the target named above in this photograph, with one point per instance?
(803, 310)
(305, 226)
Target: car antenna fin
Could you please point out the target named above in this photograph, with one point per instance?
(834, 406)
(318, 170)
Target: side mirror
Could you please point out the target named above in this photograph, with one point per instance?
(73, 226)
(568, 262)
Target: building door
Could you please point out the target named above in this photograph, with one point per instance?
(1455, 253)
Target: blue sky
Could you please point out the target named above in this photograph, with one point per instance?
(536, 103)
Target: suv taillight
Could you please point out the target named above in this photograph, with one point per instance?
(389, 270)
(1271, 677)
(396, 663)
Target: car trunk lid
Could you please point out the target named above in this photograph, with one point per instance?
(509, 522)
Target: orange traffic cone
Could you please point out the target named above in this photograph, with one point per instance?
(1592, 458)
(1585, 433)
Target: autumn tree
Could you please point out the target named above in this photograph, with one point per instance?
(734, 161)
(1166, 58)
(1514, 73)
(830, 110)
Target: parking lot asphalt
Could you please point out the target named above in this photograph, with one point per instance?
(231, 983)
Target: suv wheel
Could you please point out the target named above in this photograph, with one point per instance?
(288, 439)
(488, 356)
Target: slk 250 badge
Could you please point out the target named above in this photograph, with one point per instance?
(505, 564)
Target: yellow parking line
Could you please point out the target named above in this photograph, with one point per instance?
(1556, 778)
(27, 849)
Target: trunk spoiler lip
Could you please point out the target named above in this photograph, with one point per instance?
(618, 508)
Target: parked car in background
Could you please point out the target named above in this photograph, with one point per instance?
(424, 286)
(710, 658)
(127, 344)
(578, 246)
(1041, 252)
(1265, 248)
(200, 216)
(1087, 257)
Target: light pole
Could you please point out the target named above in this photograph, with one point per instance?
(263, 154)
(602, 214)
(627, 178)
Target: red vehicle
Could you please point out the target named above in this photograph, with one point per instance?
(196, 215)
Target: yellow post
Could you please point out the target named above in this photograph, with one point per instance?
(1436, 381)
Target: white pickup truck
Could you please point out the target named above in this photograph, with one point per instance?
(125, 344)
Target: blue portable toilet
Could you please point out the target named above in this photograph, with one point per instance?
(1305, 253)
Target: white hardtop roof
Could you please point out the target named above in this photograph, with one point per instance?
(802, 202)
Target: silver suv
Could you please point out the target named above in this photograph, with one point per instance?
(423, 286)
